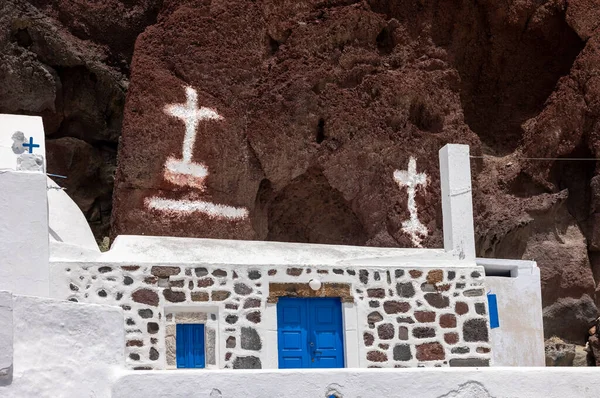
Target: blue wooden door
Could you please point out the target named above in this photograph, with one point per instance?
(190, 346)
(310, 333)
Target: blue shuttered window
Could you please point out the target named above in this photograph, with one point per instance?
(190, 346)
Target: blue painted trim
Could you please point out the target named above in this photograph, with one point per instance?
(493, 309)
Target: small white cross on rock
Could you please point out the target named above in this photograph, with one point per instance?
(411, 180)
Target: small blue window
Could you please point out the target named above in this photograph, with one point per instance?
(190, 346)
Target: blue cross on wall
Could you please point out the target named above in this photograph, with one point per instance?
(31, 145)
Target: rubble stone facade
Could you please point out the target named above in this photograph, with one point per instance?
(404, 317)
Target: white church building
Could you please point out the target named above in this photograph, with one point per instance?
(182, 317)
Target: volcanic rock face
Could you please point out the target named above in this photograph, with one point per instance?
(318, 104)
(49, 66)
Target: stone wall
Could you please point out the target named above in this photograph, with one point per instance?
(404, 317)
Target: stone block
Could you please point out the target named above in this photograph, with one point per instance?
(250, 362)
(220, 295)
(448, 321)
(475, 330)
(174, 297)
(395, 307)
(430, 352)
(164, 272)
(199, 296)
(376, 293)
(250, 340)
(402, 352)
(451, 338)
(406, 290)
(423, 332)
(385, 331)
(437, 300)
(469, 362)
(242, 289)
(435, 276)
(461, 308)
(377, 356)
(368, 339)
(145, 296)
(425, 316)
(402, 333)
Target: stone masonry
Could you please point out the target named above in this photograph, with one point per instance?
(407, 317)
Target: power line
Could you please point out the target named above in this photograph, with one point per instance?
(565, 159)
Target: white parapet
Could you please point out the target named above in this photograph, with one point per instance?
(365, 383)
(24, 246)
(62, 349)
(457, 203)
(6, 336)
(519, 338)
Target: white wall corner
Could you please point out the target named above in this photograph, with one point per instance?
(6, 337)
(457, 203)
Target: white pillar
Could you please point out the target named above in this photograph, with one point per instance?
(6, 337)
(457, 204)
(24, 246)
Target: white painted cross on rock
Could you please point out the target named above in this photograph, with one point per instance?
(184, 171)
(411, 179)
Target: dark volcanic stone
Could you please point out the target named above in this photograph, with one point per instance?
(475, 330)
(200, 272)
(385, 331)
(250, 340)
(174, 297)
(402, 352)
(242, 289)
(252, 303)
(480, 308)
(430, 352)
(437, 300)
(145, 296)
(469, 362)
(448, 321)
(230, 342)
(145, 313)
(374, 317)
(460, 350)
(164, 272)
(368, 339)
(254, 317)
(376, 293)
(250, 362)
(220, 295)
(461, 308)
(423, 332)
(425, 316)
(377, 356)
(395, 307)
(363, 276)
(254, 274)
(153, 354)
(405, 289)
(152, 327)
(231, 319)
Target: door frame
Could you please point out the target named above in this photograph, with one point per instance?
(349, 330)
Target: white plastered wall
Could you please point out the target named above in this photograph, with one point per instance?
(24, 249)
(364, 383)
(63, 349)
(519, 341)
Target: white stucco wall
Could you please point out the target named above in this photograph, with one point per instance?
(24, 249)
(363, 383)
(64, 349)
(6, 336)
(519, 341)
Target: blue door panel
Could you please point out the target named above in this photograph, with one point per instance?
(309, 333)
(189, 346)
